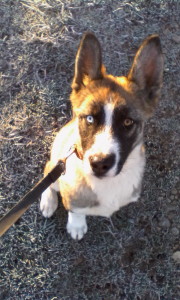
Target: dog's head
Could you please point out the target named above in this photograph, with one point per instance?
(111, 111)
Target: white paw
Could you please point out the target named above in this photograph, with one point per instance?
(49, 202)
(76, 225)
(76, 233)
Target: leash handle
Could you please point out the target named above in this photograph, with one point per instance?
(17, 211)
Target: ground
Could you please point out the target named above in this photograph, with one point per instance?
(133, 256)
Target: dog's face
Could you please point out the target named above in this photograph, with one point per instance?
(111, 111)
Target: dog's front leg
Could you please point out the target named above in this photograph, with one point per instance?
(49, 198)
(49, 202)
(76, 225)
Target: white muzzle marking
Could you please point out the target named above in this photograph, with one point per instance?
(104, 144)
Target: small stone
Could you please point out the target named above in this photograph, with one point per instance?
(176, 38)
(176, 256)
(175, 231)
(171, 215)
(164, 223)
(172, 208)
(174, 192)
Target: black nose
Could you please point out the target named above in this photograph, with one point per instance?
(101, 164)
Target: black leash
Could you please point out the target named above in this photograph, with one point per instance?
(18, 210)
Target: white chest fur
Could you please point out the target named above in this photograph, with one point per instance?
(110, 193)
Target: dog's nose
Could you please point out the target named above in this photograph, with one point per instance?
(101, 164)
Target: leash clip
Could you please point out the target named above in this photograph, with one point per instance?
(69, 153)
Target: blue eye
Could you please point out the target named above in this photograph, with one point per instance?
(90, 119)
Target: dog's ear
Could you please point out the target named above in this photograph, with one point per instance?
(88, 62)
(147, 70)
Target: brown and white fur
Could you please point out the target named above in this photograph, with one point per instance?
(107, 128)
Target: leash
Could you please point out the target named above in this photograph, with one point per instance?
(19, 209)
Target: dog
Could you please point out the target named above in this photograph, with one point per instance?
(107, 126)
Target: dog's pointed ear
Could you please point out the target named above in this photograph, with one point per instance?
(147, 69)
(88, 62)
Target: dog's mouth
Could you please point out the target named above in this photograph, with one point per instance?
(99, 175)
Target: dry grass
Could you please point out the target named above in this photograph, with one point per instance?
(129, 257)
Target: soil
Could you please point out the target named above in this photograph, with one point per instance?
(135, 255)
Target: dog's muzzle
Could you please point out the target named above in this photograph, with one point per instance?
(101, 164)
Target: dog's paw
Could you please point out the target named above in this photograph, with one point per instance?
(76, 233)
(76, 225)
(49, 202)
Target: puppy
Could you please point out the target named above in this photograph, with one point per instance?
(107, 128)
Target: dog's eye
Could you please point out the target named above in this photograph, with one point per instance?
(90, 119)
(128, 122)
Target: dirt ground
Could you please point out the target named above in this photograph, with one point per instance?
(135, 255)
